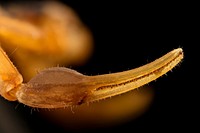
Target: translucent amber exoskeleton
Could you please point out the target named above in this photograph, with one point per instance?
(62, 87)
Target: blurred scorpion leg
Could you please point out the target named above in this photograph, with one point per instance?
(47, 35)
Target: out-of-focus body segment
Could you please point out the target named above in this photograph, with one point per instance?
(46, 33)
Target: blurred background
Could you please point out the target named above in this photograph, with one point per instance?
(125, 35)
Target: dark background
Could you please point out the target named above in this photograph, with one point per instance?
(128, 35)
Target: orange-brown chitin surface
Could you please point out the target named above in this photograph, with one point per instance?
(54, 88)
